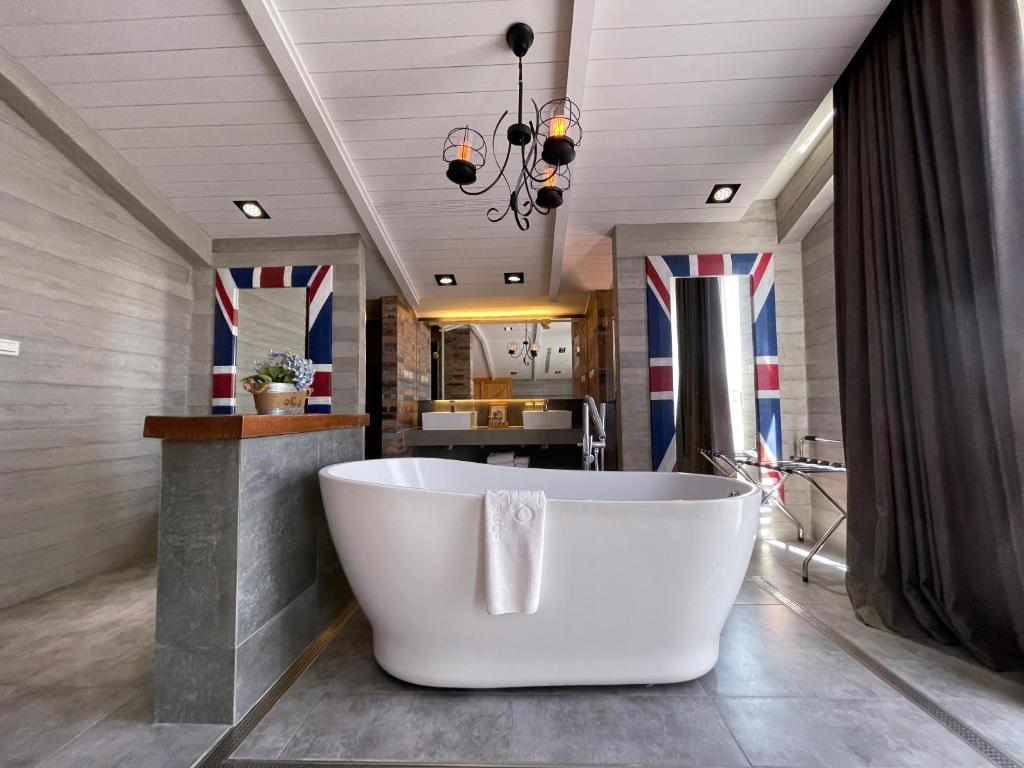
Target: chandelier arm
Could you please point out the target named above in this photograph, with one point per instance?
(500, 176)
(492, 211)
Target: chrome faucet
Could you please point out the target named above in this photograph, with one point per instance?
(545, 406)
(593, 445)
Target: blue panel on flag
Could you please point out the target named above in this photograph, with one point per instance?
(769, 418)
(223, 339)
(766, 343)
(318, 344)
(319, 408)
(242, 276)
(222, 410)
(302, 275)
(659, 328)
(679, 266)
(743, 263)
(662, 430)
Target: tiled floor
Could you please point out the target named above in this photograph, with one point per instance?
(75, 669)
(782, 694)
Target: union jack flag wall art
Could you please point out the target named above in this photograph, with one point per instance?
(660, 271)
(318, 280)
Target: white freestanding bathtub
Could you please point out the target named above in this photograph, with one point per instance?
(640, 571)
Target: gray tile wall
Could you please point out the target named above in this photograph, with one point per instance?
(103, 310)
(754, 233)
(823, 418)
(247, 572)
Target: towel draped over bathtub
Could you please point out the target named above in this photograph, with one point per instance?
(513, 550)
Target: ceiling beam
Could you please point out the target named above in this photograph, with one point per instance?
(575, 82)
(92, 153)
(271, 29)
(487, 349)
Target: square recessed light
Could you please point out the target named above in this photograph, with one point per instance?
(561, 350)
(252, 209)
(722, 193)
(445, 280)
(514, 278)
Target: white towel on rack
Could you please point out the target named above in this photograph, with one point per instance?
(514, 550)
(501, 459)
(521, 461)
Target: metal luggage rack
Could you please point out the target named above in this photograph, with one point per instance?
(732, 463)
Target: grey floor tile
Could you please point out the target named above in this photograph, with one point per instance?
(276, 729)
(827, 585)
(613, 729)
(767, 650)
(430, 727)
(751, 594)
(884, 733)
(37, 721)
(129, 738)
(999, 720)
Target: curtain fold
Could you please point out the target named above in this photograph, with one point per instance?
(929, 161)
(704, 418)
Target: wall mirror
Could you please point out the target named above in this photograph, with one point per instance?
(667, 327)
(261, 308)
(510, 360)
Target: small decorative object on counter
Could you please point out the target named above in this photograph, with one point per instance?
(497, 414)
(281, 384)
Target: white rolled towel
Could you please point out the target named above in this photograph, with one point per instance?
(514, 550)
(504, 459)
(521, 461)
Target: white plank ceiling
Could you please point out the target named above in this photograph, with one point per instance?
(678, 96)
(189, 95)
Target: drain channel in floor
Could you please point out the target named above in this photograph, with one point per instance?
(951, 722)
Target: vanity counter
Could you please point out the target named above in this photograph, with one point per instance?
(483, 436)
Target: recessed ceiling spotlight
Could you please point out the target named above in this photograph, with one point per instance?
(445, 280)
(722, 193)
(508, 329)
(252, 209)
(561, 350)
(513, 373)
(513, 278)
(558, 373)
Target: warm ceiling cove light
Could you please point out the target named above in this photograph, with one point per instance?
(445, 280)
(513, 278)
(252, 209)
(722, 193)
(547, 145)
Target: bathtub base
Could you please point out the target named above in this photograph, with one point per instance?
(438, 671)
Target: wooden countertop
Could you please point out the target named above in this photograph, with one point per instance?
(240, 426)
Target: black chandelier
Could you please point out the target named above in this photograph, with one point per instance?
(527, 349)
(554, 135)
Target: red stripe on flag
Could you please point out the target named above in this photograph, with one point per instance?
(272, 277)
(226, 301)
(710, 264)
(314, 284)
(661, 378)
(760, 267)
(767, 375)
(223, 385)
(659, 286)
(322, 384)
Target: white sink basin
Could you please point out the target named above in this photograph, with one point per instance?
(547, 419)
(448, 420)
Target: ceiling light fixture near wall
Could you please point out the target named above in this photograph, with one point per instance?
(252, 209)
(445, 280)
(514, 278)
(722, 193)
(547, 146)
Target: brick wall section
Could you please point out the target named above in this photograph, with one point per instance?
(755, 232)
(458, 367)
(818, 252)
(405, 371)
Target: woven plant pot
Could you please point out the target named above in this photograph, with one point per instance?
(277, 399)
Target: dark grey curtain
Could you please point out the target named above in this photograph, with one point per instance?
(704, 414)
(930, 300)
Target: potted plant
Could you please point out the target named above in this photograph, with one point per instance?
(280, 384)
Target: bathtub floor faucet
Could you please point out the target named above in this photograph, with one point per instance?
(593, 444)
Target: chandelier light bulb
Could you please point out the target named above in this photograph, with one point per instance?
(559, 123)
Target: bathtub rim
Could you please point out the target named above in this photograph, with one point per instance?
(324, 472)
